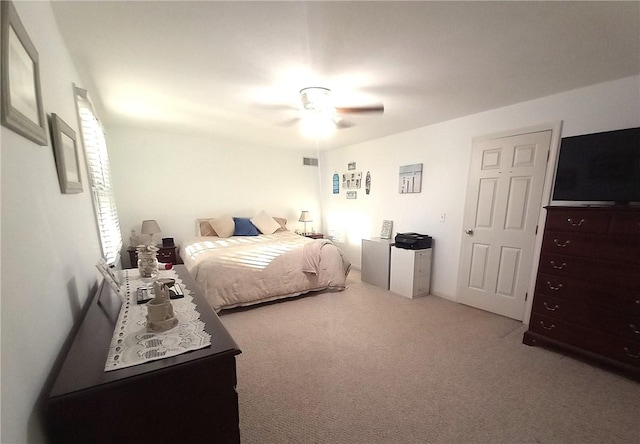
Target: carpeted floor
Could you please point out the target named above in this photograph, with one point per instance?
(368, 366)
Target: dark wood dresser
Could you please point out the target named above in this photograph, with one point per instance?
(187, 398)
(587, 295)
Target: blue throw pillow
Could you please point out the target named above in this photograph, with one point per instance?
(244, 227)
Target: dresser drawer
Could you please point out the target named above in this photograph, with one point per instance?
(614, 274)
(590, 316)
(422, 264)
(626, 224)
(600, 343)
(619, 299)
(589, 245)
(578, 220)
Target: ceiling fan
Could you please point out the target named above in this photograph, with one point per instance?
(319, 114)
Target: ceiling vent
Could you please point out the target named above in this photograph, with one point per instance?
(310, 161)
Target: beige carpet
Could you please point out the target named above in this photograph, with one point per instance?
(368, 366)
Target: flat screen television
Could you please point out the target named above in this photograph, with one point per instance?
(599, 168)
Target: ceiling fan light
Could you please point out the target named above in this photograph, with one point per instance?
(317, 125)
(317, 99)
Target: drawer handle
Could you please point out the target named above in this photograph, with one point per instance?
(558, 267)
(576, 224)
(554, 308)
(551, 287)
(551, 327)
(634, 329)
(558, 244)
(634, 356)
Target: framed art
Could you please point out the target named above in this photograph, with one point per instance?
(109, 275)
(66, 153)
(351, 180)
(352, 194)
(387, 228)
(410, 179)
(21, 107)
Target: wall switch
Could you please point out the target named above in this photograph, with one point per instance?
(443, 216)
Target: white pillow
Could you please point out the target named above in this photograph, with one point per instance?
(265, 223)
(224, 225)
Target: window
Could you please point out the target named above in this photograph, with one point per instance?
(95, 147)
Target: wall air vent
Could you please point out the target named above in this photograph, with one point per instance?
(310, 161)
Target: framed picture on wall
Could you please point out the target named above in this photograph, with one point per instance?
(66, 154)
(21, 108)
(387, 228)
(410, 179)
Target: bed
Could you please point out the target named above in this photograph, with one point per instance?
(244, 269)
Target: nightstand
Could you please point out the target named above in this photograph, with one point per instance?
(314, 235)
(164, 255)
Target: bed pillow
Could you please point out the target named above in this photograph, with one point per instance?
(244, 227)
(282, 222)
(206, 229)
(265, 223)
(223, 225)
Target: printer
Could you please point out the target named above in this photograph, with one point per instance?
(413, 241)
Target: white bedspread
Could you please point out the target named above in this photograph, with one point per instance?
(244, 270)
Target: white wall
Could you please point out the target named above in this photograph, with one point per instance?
(49, 242)
(445, 150)
(175, 179)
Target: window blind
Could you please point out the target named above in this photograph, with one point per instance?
(95, 147)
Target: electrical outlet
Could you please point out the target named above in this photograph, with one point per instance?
(443, 216)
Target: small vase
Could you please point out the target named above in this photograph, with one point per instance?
(147, 261)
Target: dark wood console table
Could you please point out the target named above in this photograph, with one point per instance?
(187, 398)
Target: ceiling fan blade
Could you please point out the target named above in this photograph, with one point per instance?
(274, 107)
(290, 122)
(379, 108)
(342, 124)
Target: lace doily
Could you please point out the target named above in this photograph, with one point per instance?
(132, 344)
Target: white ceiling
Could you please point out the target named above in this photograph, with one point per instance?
(232, 70)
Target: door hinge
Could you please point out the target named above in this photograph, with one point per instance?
(526, 296)
(548, 155)
(536, 229)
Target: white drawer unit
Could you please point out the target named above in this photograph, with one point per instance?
(410, 272)
(376, 254)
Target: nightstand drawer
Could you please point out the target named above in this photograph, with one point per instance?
(164, 255)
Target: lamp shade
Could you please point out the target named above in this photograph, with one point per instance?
(150, 227)
(305, 216)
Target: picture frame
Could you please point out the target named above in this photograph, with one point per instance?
(410, 180)
(109, 276)
(352, 194)
(387, 228)
(65, 149)
(21, 107)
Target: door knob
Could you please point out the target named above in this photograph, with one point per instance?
(469, 231)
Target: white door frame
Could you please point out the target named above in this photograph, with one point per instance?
(556, 129)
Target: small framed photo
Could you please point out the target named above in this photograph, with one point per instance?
(21, 108)
(66, 153)
(387, 229)
(109, 276)
(351, 166)
(352, 194)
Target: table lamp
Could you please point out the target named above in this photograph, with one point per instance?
(305, 217)
(150, 227)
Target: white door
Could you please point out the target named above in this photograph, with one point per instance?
(504, 196)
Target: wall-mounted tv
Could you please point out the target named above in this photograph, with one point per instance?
(601, 167)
